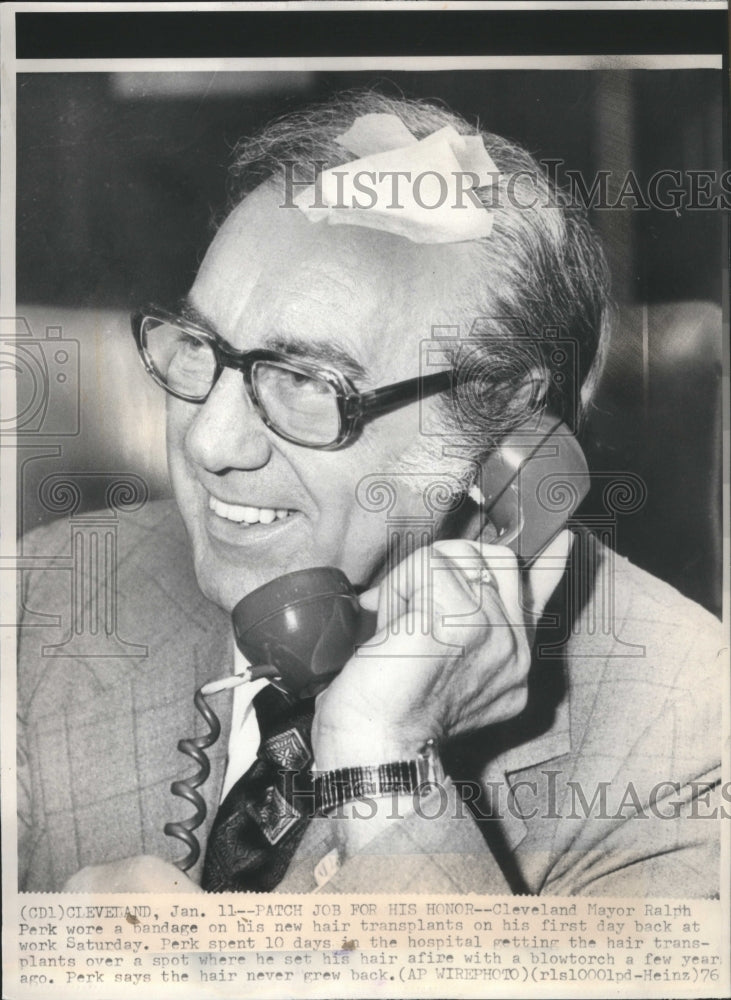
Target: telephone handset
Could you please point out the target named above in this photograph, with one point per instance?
(302, 628)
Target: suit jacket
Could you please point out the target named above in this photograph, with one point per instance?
(608, 783)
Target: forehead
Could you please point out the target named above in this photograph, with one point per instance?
(271, 274)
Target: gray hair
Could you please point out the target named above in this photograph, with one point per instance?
(541, 282)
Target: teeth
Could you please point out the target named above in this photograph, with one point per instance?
(246, 515)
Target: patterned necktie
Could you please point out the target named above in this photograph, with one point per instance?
(264, 816)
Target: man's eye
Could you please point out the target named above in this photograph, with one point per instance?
(189, 345)
(191, 364)
(190, 350)
(303, 382)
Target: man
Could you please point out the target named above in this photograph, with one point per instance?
(555, 765)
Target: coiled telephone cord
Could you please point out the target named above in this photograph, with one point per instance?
(195, 747)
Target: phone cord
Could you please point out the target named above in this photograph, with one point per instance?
(195, 747)
(186, 788)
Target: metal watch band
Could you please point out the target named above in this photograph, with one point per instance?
(346, 784)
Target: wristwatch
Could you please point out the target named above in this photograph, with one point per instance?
(346, 784)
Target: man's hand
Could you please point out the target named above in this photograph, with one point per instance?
(451, 654)
(143, 873)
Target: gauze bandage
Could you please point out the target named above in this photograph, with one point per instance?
(423, 190)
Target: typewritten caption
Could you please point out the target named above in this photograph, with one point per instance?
(228, 945)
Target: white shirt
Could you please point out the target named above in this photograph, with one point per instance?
(243, 744)
(244, 739)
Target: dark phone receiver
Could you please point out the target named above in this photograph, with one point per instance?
(302, 628)
(532, 484)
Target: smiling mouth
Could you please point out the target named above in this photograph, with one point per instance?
(247, 515)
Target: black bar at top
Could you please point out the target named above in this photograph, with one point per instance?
(134, 34)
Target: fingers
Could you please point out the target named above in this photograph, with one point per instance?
(396, 594)
(403, 593)
(451, 652)
(454, 578)
(490, 574)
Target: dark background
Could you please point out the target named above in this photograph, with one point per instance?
(529, 30)
(121, 176)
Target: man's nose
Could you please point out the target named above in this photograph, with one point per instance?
(226, 431)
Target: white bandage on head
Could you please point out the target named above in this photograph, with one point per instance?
(422, 190)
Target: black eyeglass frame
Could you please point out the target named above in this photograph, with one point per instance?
(354, 407)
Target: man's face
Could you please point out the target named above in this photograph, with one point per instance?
(272, 279)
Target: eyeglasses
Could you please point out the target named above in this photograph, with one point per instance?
(309, 404)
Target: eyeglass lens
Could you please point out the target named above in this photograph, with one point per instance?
(303, 407)
(185, 363)
(299, 405)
